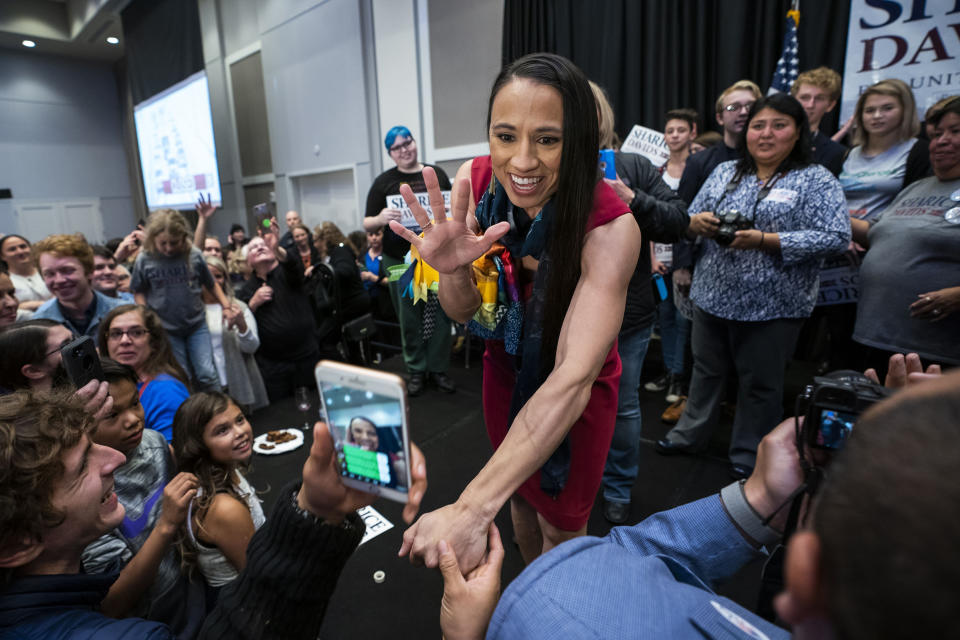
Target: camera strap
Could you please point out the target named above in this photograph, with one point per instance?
(761, 195)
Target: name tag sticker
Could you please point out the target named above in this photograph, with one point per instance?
(786, 196)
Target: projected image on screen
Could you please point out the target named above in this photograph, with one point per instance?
(366, 427)
(177, 153)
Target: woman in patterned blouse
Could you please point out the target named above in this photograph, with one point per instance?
(754, 287)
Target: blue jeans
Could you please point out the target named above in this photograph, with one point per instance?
(622, 461)
(195, 355)
(674, 330)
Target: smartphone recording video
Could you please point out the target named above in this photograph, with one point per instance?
(366, 413)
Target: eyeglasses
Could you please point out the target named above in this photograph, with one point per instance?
(402, 146)
(134, 333)
(59, 347)
(738, 106)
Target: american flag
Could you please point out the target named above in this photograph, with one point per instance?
(788, 66)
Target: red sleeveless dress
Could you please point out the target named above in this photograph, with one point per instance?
(592, 432)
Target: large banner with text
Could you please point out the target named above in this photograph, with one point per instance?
(917, 41)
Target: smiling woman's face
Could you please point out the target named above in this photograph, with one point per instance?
(526, 142)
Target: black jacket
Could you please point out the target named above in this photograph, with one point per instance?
(662, 217)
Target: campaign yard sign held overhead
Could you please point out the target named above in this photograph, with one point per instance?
(397, 202)
(648, 143)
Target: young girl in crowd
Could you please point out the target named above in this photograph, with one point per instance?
(213, 440)
(169, 276)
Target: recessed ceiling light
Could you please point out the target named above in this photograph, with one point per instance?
(29, 44)
(113, 40)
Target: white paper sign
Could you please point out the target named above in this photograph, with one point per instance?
(648, 143)
(376, 523)
(663, 253)
(915, 41)
(397, 202)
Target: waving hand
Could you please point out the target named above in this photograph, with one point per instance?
(446, 244)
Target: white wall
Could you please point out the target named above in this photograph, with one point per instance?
(337, 75)
(61, 138)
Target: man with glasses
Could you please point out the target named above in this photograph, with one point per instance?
(733, 105)
(66, 264)
(426, 354)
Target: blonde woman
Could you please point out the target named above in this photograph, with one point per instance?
(170, 277)
(234, 343)
(887, 155)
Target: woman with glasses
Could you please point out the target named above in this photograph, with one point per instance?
(134, 335)
(31, 355)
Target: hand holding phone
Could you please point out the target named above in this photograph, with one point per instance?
(262, 214)
(325, 495)
(81, 362)
(366, 412)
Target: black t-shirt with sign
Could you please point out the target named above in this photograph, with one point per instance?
(388, 184)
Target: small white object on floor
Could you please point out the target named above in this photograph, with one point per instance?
(379, 576)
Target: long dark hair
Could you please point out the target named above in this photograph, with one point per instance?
(576, 181)
(193, 456)
(161, 358)
(22, 343)
(800, 156)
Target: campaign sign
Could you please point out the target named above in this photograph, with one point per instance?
(839, 281)
(397, 202)
(917, 41)
(648, 143)
(376, 523)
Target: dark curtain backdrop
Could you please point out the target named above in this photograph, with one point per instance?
(656, 55)
(163, 45)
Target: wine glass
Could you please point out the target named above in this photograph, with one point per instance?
(303, 400)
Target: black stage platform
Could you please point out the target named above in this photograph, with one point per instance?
(449, 429)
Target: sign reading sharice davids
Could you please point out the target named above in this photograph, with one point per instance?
(917, 41)
(397, 202)
(648, 143)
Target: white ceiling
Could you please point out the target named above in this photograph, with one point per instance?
(71, 28)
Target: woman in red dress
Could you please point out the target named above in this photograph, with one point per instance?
(550, 380)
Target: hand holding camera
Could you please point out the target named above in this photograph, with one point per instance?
(730, 222)
(704, 224)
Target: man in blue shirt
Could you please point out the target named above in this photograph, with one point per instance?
(876, 557)
(66, 265)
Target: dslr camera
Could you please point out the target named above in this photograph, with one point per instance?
(731, 221)
(832, 405)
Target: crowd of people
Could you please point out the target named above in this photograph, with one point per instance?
(124, 506)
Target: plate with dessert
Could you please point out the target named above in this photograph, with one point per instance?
(278, 441)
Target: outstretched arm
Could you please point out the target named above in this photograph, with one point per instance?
(608, 261)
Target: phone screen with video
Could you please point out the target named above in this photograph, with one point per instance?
(367, 429)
